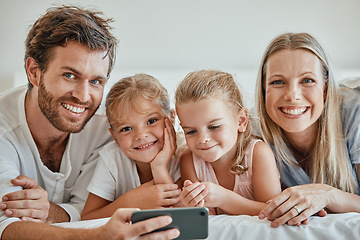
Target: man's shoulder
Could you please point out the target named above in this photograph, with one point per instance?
(9, 107)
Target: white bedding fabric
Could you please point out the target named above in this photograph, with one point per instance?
(224, 227)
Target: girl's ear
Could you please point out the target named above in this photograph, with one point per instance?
(113, 135)
(172, 116)
(243, 119)
(33, 71)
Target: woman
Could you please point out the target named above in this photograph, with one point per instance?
(312, 126)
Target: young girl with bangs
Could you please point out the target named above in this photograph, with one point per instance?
(226, 168)
(138, 169)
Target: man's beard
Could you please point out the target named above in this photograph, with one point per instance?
(49, 107)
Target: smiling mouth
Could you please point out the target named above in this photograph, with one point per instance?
(207, 148)
(72, 108)
(145, 145)
(294, 111)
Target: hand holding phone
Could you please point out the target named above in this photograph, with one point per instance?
(192, 222)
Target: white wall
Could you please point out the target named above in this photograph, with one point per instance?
(168, 38)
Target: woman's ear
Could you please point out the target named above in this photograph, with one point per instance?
(33, 71)
(243, 119)
(172, 116)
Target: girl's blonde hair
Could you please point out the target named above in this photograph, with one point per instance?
(330, 163)
(207, 84)
(128, 92)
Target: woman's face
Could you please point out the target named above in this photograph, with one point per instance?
(294, 90)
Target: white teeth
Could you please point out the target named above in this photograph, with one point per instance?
(73, 108)
(144, 146)
(296, 111)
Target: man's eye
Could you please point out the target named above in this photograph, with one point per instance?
(69, 75)
(125, 129)
(95, 82)
(151, 121)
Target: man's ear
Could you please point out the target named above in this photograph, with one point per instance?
(172, 116)
(243, 119)
(113, 135)
(33, 71)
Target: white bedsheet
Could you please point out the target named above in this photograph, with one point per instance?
(223, 227)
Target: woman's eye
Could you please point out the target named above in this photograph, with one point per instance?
(151, 121)
(276, 82)
(214, 127)
(308, 80)
(191, 132)
(125, 129)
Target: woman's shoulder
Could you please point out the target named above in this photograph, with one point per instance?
(350, 96)
(350, 103)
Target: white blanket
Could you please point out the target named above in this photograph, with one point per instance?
(223, 227)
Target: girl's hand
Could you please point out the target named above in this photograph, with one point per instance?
(163, 157)
(296, 204)
(215, 194)
(149, 196)
(193, 194)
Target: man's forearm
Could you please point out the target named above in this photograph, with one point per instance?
(57, 214)
(32, 231)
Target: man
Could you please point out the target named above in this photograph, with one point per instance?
(50, 133)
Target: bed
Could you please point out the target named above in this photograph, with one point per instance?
(224, 227)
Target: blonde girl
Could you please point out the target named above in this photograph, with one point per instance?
(225, 168)
(138, 169)
(313, 128)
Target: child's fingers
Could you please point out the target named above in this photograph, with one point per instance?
(195, 196)
(201, 203)
(171, 132)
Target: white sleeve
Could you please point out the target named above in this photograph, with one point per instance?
(103, 183)
(9, 169)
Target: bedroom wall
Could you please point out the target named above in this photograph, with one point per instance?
(171, 38)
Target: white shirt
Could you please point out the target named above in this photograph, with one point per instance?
(19, 155)
(115, 173)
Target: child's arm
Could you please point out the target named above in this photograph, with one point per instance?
(93, 203)
(193, 192)
(146, 196)
(265, 181)
(159, 166)
(229, 201)
(265, 178)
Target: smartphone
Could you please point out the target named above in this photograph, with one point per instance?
(192, 222)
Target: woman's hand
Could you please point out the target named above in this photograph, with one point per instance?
(296, 204)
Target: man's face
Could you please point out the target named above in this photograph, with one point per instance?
(71, 88)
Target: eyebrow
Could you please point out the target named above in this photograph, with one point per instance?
(79, 73)
(215, 120)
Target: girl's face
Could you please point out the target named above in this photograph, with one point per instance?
(141, 135)
(210, 128)
(294, 90)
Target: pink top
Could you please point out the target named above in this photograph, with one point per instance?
(243, 185)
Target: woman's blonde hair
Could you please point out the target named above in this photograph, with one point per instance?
(208, 84)
(128, 92)
(330, 163)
